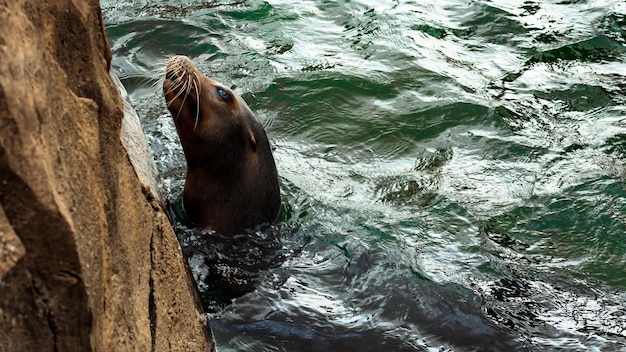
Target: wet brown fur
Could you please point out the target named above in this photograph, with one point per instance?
(232, 183)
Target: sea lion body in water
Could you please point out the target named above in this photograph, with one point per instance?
(232, 183)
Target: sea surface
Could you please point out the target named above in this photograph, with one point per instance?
(452, 171)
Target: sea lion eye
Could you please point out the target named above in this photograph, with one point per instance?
(223, 93)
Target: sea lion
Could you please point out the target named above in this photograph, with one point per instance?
(232, 183)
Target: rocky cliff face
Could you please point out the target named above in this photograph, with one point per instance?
(88, 260)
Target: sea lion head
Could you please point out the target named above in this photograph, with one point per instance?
(231, 183)
(206, 110)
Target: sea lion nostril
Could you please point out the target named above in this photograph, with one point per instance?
(171, 76)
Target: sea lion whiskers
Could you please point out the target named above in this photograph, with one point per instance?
(190, 83)
(180, 90)
(153, 77)
(183, 86)
(199, 87)
(177, 86)
(197, 104)
(155, 86)
(184, 99)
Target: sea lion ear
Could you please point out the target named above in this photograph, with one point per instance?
(252, 143)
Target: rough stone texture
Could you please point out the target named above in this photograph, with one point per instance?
(88, 260)
(136, 143)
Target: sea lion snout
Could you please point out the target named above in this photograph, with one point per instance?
(171, 75)
(180, 73)
(180, 64)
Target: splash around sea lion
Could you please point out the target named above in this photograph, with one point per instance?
(232, 183)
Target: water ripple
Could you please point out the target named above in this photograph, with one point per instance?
(452, 172)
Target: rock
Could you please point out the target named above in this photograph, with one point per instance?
(88, 259)
(136, 143)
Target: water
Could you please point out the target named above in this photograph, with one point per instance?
(452, 171)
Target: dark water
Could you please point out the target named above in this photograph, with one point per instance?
(452, 171)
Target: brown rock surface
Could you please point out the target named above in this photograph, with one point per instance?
(88, 260)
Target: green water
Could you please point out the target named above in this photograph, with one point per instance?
(452, 171)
